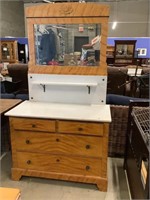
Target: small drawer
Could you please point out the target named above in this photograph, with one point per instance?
(59, 143)
(60, 163)
(28, 124)
(85, 128)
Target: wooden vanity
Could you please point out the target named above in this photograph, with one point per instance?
(54, 145)
(62, 131)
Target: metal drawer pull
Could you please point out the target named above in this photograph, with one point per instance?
(87, 168)
(33, 125)
(88, 146)
(29, 162)
(57, 140)
(80, 129)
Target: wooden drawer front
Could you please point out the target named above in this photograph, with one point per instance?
(59, 164)
(33, 124)
(59, 143)
(80, 128)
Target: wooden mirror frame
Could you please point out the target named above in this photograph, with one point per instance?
(68, 13)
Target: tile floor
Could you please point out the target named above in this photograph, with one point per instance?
(46, 189)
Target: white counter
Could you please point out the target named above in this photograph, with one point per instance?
(98, 113)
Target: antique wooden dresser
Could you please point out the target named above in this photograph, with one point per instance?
(62, 131)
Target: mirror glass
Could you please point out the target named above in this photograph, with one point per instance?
(67, 44)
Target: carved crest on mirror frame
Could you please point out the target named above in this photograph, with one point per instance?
(66, 10)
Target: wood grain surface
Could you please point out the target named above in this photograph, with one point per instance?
(68, 9)
(59, 144)
(7, 104)
(68, 13)
(71, 150)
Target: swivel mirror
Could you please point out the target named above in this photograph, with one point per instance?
(68, 38)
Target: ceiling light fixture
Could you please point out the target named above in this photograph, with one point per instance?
(115, 17)
(47, 1)
(114, 25)
(81, 1)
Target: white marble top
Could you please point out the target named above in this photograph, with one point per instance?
(98, 113)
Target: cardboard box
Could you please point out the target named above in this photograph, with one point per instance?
(10, 194)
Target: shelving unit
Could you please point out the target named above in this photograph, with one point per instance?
(136, 161)
(9, 51)
(64, 84)
(43, 84)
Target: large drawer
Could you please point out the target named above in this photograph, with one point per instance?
(33, 124)
(86, 128)
(59, 164)
(58, 143)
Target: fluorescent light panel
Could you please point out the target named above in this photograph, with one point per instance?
(114, 25)
(46, 1)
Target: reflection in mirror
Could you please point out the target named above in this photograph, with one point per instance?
(67, 44)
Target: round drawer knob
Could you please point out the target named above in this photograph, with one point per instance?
(57, 160)
(87, 168)
(88, 146)
(57, 140)
(80, 129)
(29, 162)
(33, 125)
(27, 141)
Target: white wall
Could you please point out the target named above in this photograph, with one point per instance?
(12, 18)
(133, 18)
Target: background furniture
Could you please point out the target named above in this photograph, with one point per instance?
(116, 78)
(19, 73)
(121, 83)
(142, 48)
(117, 130)
(9, 51)
(110, 54)
(124, 52)
(18, 87)
(136, 161)
(5, 105)
(21, 45)
(144, 82)
(118, 127)
(19, 83)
